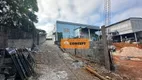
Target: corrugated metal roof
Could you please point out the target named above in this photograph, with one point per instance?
(88, 26)
(124, 21)
(92, 28)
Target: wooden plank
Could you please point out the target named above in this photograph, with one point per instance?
(90, 69)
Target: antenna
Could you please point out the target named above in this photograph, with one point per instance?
(107, 10)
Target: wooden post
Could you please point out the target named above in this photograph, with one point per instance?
(106, 53)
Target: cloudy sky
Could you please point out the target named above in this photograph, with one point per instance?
(84, 11)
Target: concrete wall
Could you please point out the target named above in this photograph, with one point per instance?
(20, 43)
(95, 53)
(136, 25)
(42, 39)
(3, 40)
(123, 27)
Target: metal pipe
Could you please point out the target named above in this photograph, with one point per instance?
(89, 34)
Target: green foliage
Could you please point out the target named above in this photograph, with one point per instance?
(18, 14)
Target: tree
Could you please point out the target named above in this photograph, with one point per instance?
(18, 14)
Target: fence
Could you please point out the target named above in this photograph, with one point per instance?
(98, 51)
(95, 53)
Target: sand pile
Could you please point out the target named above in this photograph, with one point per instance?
(122, 44)
(129, 51)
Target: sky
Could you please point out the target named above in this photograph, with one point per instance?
(84, 11)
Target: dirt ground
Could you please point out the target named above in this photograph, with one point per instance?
(130, 69)
(53, 64)
(128, 60)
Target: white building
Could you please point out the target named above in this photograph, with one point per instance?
(129, 29)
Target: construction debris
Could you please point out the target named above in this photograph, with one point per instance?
(16, 64)
(77, 64)
(90, 69)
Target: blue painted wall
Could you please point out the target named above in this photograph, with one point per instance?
(68, 30)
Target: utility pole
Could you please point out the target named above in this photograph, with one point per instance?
(106, 53)
(107, 21)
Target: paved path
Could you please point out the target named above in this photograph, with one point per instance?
(53, 64)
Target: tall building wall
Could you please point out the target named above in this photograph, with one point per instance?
(122, 27)
(136, 25)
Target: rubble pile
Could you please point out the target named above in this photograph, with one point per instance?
(129, 51)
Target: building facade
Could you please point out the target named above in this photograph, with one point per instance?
(129, 29)
(68, 29)
(90, 33)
